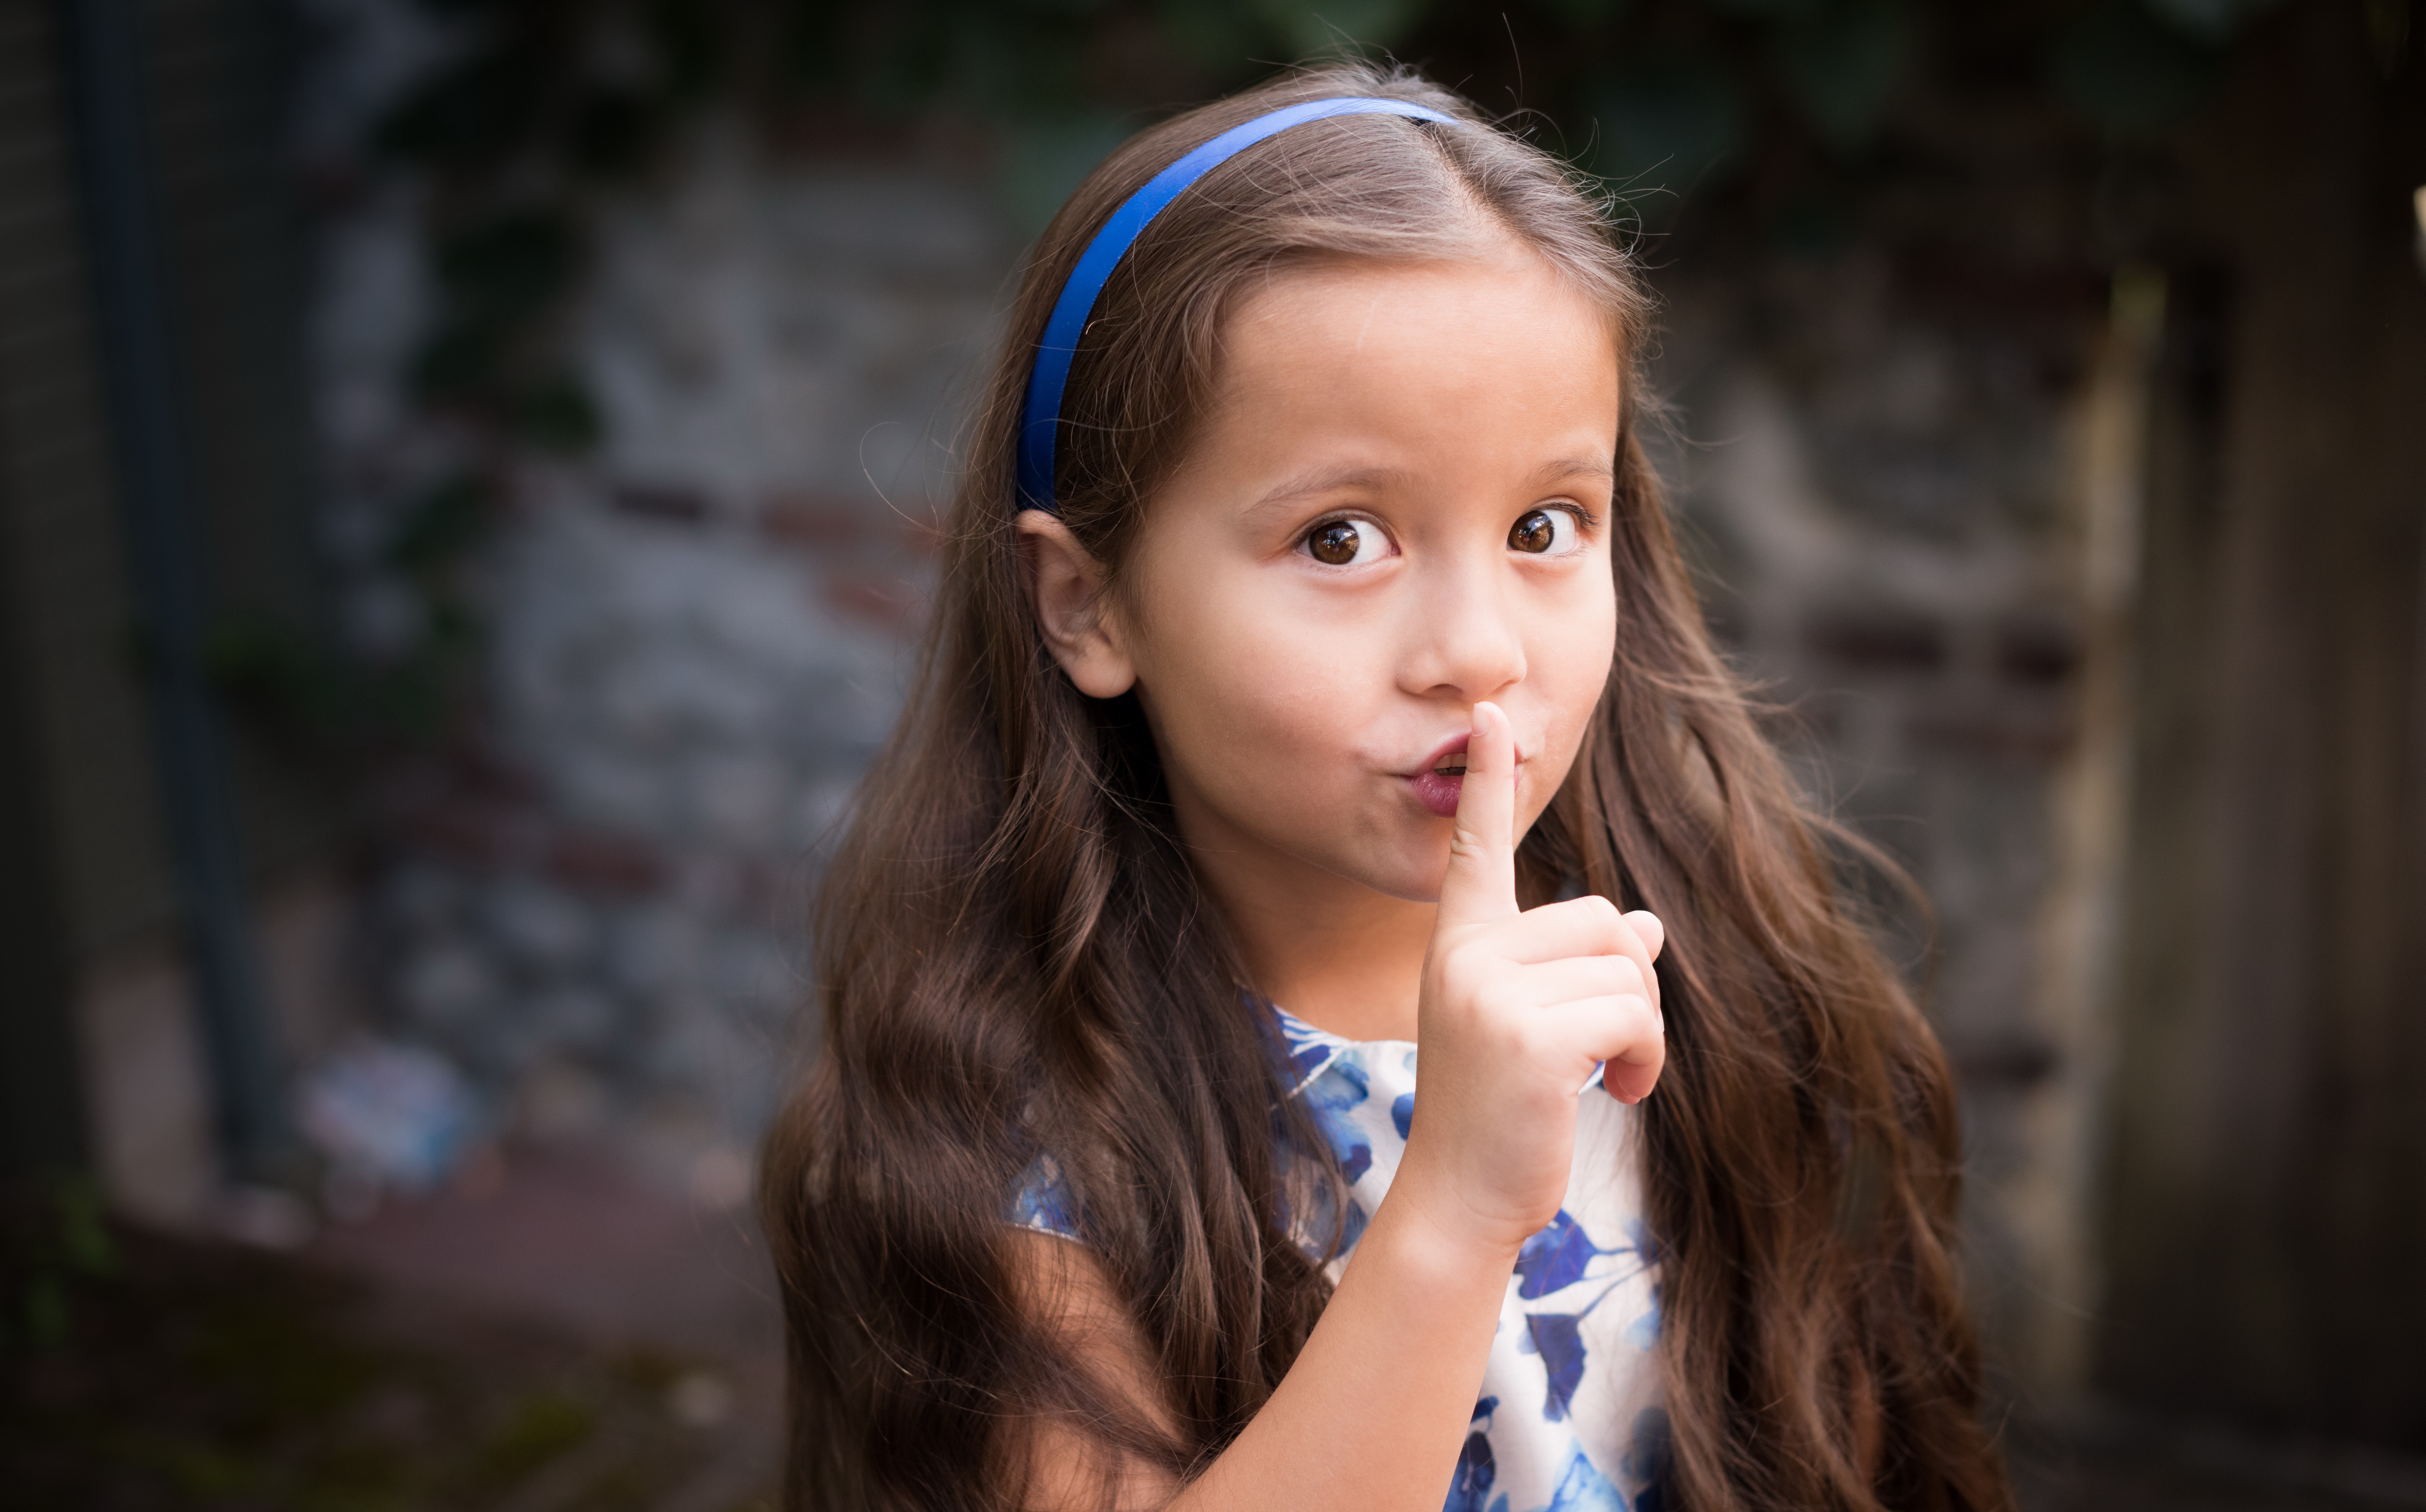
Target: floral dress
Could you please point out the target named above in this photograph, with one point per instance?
(1569, 1418)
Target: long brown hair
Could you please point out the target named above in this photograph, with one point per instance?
(1014, 956)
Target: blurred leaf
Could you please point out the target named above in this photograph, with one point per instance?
(543, 1426)
(559, 416)
(441, 525)
(83, 1238)
(2210, 21)
(1666, 123)
(683, 35)
(46, 1310)
(2387, 34)
(895, 61)
(809, 50)
(457, 362)
(2122, 70)
(474, 115)
(282, 685)
(1045, 160)
(1328, 27)
(1815, 226)
(614, 131)
(1215, 35)
(511, 267)
(1587, 15)
(1842, 64)
(500, 276)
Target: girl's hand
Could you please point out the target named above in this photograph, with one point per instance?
(1517, 1007)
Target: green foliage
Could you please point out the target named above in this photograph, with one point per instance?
(2122, 69)
(306, 700)
(543, 1427)
(1587, 15)
(2210, 21)
(1843, 64)
(1664, 125)
(444, 523)
(1339, 25)
(1043, 160)
(53, 1239)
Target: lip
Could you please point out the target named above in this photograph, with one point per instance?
(1438, 792)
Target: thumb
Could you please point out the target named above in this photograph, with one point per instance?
(1480, 884)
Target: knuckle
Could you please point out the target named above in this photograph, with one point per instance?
(1597, 914)
(1505, 1006)
(1461, 963)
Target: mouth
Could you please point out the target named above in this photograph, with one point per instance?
(1438, 781)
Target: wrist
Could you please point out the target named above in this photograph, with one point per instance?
(1442, 1233)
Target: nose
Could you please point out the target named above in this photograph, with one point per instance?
(1463, 640)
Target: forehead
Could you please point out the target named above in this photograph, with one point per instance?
(1503, 343)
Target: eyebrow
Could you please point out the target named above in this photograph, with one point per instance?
(1595, 467)
(1326, 479)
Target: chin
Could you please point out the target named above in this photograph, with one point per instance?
(1412, 880)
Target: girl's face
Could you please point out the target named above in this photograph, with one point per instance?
(1395, 506)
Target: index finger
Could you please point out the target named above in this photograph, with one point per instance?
(1481, 883)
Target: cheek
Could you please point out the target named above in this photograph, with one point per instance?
(1570, 660)
(1252, 697)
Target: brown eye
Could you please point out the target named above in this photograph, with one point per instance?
(1536, 532)
(1335, 543)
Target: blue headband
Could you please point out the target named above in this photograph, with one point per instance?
(1040, 420)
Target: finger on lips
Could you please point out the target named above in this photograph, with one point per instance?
(1480, 884)
(1587, 967)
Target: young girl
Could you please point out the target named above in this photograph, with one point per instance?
(1314, 679)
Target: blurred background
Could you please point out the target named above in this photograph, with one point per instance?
(467, 475)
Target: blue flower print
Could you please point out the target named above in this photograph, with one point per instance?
(1308, 1058)
(1341, 1086)
(1584, 1489)
(1469, 1489)
(1402, 1114)
(1643, 1332)
(1646, 1458)
(1557, 1338)
(1044, 1201)
(1308, 1049)
(1323, 1221)
(1557, 1257)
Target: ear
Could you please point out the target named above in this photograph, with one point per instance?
(1081, 628)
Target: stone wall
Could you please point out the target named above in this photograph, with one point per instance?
(695, 637)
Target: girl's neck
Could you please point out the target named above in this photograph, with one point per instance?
(1335, 954)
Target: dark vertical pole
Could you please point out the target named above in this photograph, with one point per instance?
(41, 1087)
(105, 84)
